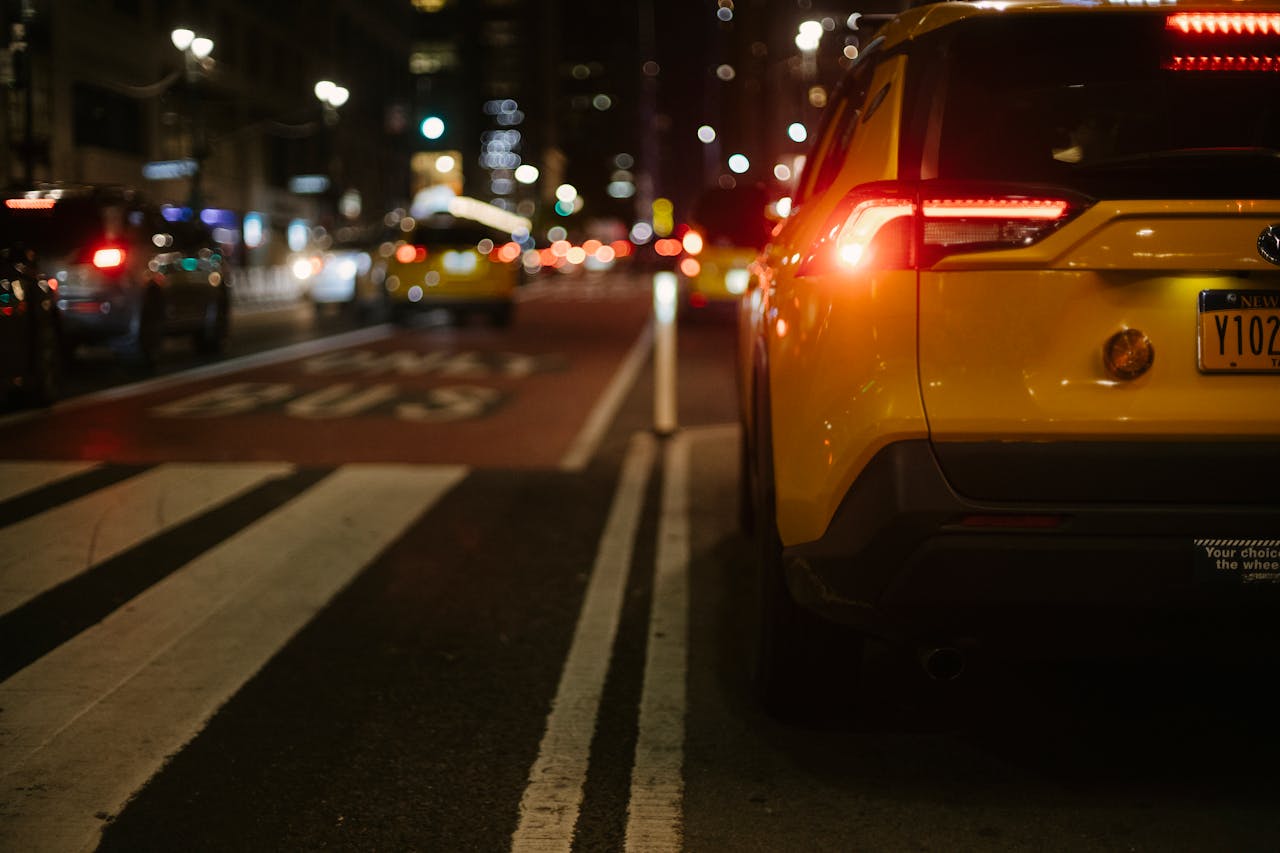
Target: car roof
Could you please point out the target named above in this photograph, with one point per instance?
(926, 18)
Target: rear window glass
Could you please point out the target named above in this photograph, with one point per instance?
(71, 224)
(733, 217)
(1087, 102)
(455, 232)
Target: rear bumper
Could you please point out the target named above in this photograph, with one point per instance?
(908, 559)
(97, 317)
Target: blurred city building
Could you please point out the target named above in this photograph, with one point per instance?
(227, 118)
(602, 118)
(586, 114)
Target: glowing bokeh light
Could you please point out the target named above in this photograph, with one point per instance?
(433, 127)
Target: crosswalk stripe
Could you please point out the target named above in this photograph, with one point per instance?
(83, 726)
(17, 478)
(40, 552)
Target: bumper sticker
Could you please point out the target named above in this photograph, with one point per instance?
(1250, 560)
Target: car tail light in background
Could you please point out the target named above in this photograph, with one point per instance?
(895, 226)
(108, 259)
(30, 203)
(407, 253)
(506, 253)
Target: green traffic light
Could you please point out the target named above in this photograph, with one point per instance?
(433, 127)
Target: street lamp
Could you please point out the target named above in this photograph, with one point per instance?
(331, 96)
(196, 52)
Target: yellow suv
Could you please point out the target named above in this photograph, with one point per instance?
(1010, 370)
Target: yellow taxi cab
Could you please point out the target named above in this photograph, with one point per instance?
(1010, 370)
(728, 229)
(454, 264)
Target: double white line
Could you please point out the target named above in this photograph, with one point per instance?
(553, 798)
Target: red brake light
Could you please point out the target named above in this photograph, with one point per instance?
(1224, 23)
(108, 259)
(407, 253)
(994, 208)
(889, 226)
(1223, 63)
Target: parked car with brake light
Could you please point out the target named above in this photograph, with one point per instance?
(454, 264)
(126, 276)
(1010, 370)
(347, 273)
(30, 330)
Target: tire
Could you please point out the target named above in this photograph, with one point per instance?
(746, 486)
(43, 383)
(212, 337)
(500, 315)
(806, 668)
(148, 339)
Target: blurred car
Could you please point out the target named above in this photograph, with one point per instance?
(126, 276)
(347, 274)
(728, 229)
(1010, 370)
(454, 264)
(30, 331)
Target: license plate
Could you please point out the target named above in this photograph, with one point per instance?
(1240, 331)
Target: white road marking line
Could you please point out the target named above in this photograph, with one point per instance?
(655, 807)
(42, 551)
(553, 797)
(83, 729)
(17, 478)
(221, 368)
(602, 414)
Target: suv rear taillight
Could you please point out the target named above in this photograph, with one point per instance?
(890, 225)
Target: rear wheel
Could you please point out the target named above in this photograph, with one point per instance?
(746, 489)
(500, 315)
(806, 668)
(212, 337)
(44, 375)
(148, 338)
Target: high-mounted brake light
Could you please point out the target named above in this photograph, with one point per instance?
(1222, 63)
(1225, 23)
(108, 259)
(30, 203)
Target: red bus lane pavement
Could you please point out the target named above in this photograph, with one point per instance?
(523, 397)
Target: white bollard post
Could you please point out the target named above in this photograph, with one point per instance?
(665, 290)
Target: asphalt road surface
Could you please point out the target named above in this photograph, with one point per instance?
(444, 589)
